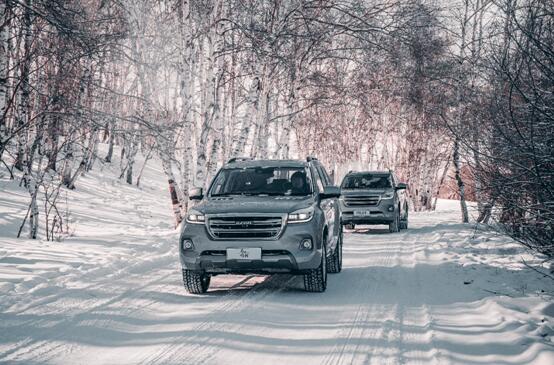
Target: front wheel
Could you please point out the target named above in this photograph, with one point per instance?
(316, 279)
(404, 224)
(394, 226)
(196, 282)
(334, 262)
(404, 219)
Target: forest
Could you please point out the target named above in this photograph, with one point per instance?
(455, 96)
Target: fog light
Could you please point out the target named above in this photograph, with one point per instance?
(306, 244)
(391, 208)
(187, 245)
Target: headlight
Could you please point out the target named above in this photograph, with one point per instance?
(195, 217)
(301, 215)
(388, 195)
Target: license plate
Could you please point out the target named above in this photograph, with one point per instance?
(362, 213)
(250, 253)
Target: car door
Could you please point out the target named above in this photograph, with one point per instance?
(329, 207)
(401, 196)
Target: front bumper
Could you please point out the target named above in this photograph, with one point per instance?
(282, 255)
(383, 213)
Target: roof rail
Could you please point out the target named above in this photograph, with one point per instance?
(237, 159)
(311, 158)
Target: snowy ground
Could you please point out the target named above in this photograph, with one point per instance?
(439, 293)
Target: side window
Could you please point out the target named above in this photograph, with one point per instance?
(327, 176)
(317, 177)
(321, 175)
(219, 183)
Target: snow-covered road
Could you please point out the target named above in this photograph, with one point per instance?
(438, 293)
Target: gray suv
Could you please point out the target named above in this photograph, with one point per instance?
(374, 197)
(263, 217)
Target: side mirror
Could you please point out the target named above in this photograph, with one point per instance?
(401, 186)
(330, 192)
(196, 194)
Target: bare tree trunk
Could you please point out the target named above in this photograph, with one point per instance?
(261, 141)
(4, 49)
(210, 109)
(23, 109)
(68, 162)
(91, 151)
(459, 114)
(129, 154)
(217, 132)
(71, 183)
(460, 182)
(173, 190)
(146, 159)
(284, 138)
(441, 182)
(129, 176)
(111, 140)
(33, 188)
(185, 92)
(33, 218)
(218, 125)
(248, 117)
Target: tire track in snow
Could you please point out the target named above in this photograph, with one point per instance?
(355, 333)
(419, 317)
(192, 349)
(408, 323)
(275, 287)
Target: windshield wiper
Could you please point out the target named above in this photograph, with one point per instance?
(268, 193)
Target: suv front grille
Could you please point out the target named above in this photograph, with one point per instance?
(245, 227)
(361, 200)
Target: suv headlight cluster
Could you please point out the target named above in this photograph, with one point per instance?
(388, 195)
(195, 217)
(301, 215)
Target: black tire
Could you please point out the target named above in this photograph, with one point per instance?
(316, 279)
(394, 226)
(404, 224)
(404, 221)
(196, 282)
(334, 262)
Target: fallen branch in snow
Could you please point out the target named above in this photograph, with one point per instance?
(497, 293)
(537, 270)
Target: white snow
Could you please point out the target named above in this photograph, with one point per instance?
(111, 293)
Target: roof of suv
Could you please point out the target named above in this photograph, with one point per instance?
(369, 172)
(277, 163)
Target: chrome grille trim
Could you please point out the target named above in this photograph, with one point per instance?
(366, 200)
(253, 226)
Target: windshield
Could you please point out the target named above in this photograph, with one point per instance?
(366, 181)
(262, 181)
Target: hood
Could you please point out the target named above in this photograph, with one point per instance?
(254, 204)
(364, 192)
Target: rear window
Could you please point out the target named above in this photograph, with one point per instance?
(367, 181)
